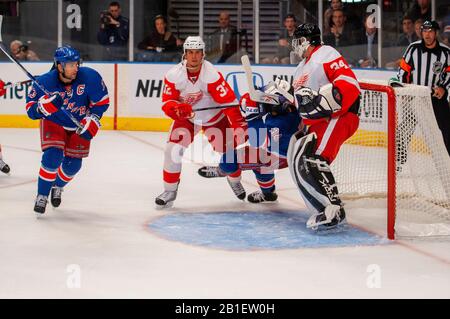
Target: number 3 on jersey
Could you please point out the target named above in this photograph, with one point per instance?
(222, 89)
(339, 64)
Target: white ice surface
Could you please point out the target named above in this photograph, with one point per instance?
(101, 226)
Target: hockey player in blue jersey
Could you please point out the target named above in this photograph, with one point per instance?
(270, 128)
(79, 91)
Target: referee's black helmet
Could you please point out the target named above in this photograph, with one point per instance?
(429, 25)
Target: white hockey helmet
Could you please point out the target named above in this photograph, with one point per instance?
(194, 43)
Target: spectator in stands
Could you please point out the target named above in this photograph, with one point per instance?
(285, 40)
(409, 34)
(421, 9)
(114, 33)
(446, 35)
(340, 35)
(21, 51)
(161, 45)
(327, 16)
(222, 42)
(369, 38)
(417, 25)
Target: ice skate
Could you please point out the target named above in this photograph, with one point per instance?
(40, 204)
(237, 189)
(4, 167)
(332, 216)
(259, 197)
(166, 199)
(55, 196)
(210, 172)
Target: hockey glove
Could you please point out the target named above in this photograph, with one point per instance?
(178, 111)
(250, 109)
(49, 105)
(313, 105)
(2, 88)
(91, 125)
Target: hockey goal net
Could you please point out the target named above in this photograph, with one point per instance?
(398, 156)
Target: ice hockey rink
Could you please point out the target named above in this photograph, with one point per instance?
(107, 240)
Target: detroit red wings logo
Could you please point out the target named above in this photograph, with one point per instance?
(301, 81)
(192, 98)
(80, 89)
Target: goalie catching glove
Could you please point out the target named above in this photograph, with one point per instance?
(316, 105)
(91, 125)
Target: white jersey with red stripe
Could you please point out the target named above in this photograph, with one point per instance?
(326, 65)
(208, 89)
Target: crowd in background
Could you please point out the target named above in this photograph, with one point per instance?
(351, 33)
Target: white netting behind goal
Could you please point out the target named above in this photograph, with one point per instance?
(422, 201)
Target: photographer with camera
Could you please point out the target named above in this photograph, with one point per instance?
(114, 33)
(21, 51)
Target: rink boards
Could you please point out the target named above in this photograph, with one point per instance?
(135, 91)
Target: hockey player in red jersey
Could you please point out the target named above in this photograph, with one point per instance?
(327, 95)
(3, 166)
(195, 83)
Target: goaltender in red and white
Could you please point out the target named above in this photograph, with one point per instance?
(327, 95)
(195, 83)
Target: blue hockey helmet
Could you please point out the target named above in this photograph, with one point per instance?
(66, 54)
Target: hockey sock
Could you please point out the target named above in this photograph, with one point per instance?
(173, 155)
(51, 159)
(229, 164)
(265, 181)
(67, 170)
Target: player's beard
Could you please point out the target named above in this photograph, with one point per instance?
(65, 78)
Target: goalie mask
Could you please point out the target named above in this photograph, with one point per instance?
(305, 34)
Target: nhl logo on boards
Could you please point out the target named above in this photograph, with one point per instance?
(437, 67)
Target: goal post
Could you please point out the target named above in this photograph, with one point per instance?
(398, 154)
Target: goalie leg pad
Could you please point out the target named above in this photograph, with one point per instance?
(311, 173)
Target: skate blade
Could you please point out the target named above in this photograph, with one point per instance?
(162, 207)
(323, 229)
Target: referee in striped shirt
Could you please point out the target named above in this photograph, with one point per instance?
(427, 62)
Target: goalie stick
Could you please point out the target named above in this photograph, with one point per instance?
(257, 95)
(31, 77)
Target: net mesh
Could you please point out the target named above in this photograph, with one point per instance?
(422, 201)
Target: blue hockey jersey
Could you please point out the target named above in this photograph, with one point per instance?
(273, 132)
(85, 95)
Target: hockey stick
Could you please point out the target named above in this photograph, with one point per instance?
(224, 106)
(31, 77)
(256, 95)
